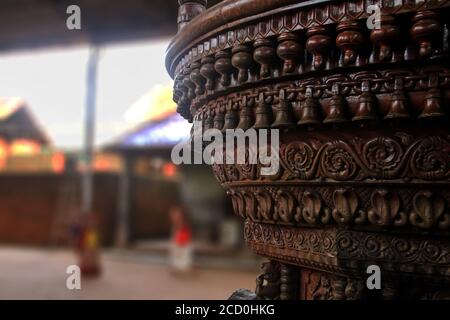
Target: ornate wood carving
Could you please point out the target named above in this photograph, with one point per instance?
(398, 156)
(364, 175)
(343, 251)
(188, 10)
(269, 283)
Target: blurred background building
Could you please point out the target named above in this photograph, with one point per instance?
(134, 170)
(42, 89)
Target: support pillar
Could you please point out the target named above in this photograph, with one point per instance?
(124, 204)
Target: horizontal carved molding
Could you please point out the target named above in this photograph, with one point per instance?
(333, 156)
(407, 210)
(350, 252)
(400, 94)
(274, 56)
(183, 49)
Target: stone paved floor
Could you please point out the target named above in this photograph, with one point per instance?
(40, 274)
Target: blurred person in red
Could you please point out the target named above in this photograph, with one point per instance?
(85, 239)
(181, 241)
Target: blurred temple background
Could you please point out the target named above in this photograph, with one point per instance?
(42, 97)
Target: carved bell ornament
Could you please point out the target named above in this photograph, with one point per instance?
(365, 111)
(230, 116)
(398, 104)
(263, 112)
(284, 118)
(336, 113)
(433, 107)
(310, 110)
(209, 121)
(246, 115)
(200, 118)
(433, 104)
(219, 118)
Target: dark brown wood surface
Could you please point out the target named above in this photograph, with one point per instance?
(364, 175)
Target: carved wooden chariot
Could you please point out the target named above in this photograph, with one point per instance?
(364, 173)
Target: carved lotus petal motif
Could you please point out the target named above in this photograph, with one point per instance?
(238, 203)
(428, 209)
(265, 205)
(250, 205)
(312, 208)
(247, 171)
(345, 205)
(219, 173)
(285, 205)
(385, 209)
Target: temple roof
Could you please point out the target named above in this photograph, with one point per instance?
(17, 122)
(163, 133)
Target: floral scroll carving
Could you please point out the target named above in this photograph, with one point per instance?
(383, 156)
(337, 161)
(299, 159)
(312, 247)
(431, 159)
(394, 157)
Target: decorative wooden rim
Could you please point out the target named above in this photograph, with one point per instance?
(222, 16)
(230, 14)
